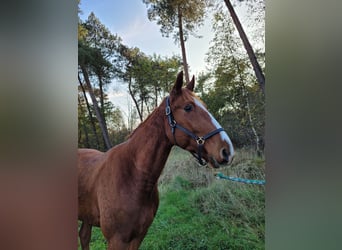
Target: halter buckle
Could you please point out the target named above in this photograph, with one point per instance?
(200, 140)
(173, 123)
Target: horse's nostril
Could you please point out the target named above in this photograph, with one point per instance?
(224, 154)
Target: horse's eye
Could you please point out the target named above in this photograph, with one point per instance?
(188, 108)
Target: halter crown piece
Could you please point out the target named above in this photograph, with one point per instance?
(199, 140)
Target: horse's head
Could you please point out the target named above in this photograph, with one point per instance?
(190, 126)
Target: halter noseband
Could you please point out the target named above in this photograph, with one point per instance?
(199, 140)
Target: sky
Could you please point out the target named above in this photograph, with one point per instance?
(129, 20)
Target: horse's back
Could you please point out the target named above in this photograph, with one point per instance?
(89, 164)
(88, 155)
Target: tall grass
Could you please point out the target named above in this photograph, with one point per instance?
(198, 211)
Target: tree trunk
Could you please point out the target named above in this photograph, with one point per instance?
(99, 117)
(130, 117)
(156, 95)
(90, 114)
(257, 140)
(101, 98)
(134, 100)
(147, 106)
(87, 145)
(181, 39)
(257, 69)
(142, 107)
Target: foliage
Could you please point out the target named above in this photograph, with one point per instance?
(154, 76)
(104, 57)
(178, 17)
(103, 46)
(99, 36)
(230, 90)
(97, 47)
(165, 13)
(148, 77)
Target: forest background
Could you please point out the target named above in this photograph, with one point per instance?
(227, 84)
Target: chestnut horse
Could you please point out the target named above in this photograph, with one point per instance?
(117, 190)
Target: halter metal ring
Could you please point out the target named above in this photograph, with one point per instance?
(200, 140)
(168, 110)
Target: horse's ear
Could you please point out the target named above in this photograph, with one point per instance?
(190, 86)
(178, 84)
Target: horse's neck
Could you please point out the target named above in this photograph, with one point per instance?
(149, 149)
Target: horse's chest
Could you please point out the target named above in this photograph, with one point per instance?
(130, 218)
(142, 211)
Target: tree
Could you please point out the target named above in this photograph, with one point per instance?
(177, 17)
(85, 60)
(90, 116)
(98, 51)
(82, 125)
(118, 130)
(230, 90)
(164, 70)
(99, 37)
(148, 77)
(128, 57)
(256, 67)
(81, 32)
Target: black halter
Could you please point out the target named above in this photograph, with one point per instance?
(199, 139)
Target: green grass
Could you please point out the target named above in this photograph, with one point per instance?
(197, 211)
(222, 216)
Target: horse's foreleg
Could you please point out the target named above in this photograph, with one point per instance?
(134, 245)
(85, 234)
(115, 243)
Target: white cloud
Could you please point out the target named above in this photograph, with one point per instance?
(136, 30)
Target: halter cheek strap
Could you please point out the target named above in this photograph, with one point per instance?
(199, 140)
